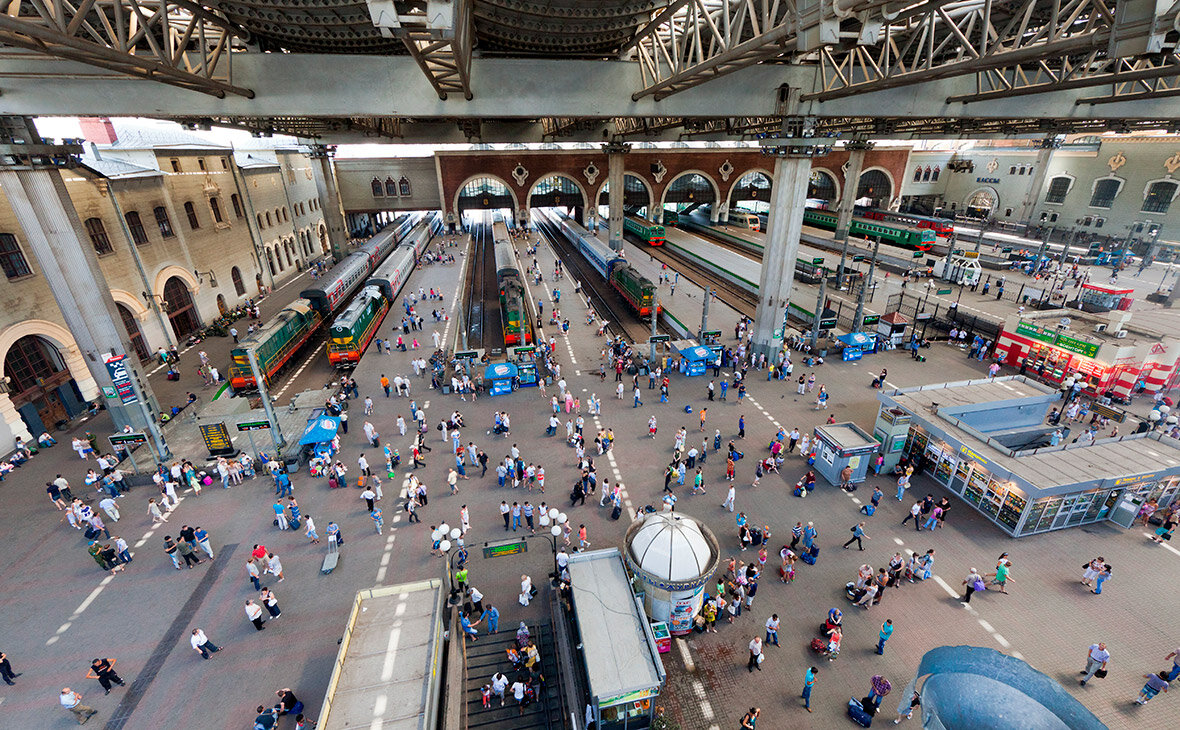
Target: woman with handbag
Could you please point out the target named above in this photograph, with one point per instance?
(974, 582)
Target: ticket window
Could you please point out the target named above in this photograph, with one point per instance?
(1048, 362)
(626, 716)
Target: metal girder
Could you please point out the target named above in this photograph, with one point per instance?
(304, 127)
(176, 42)
(438, 39)
(991, 38)
(706, 39)
(1126, 75)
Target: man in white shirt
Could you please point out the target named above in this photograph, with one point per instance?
(202, 645)
(72, 701)
(1096, 659)
(108, 506)
(499, 684)
(755, 654)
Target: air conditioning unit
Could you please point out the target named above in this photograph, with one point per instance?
(1100, 327)
(1120, 334)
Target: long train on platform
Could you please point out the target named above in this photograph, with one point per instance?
(514, 320)
(277, 341)
(354, 328)
(637, 289)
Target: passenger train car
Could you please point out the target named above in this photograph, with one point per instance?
(942, 227)
(919, 239)
(513, 318)
(277, 341)
(649, 232)
(635, 288)
(354, 328)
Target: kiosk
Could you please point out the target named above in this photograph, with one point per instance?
(694, 359)
(622, 660)
(673, 556)
(892, 327)
(1099, 298)
(856, 345)
(500, 378)
(526, 365)
(318, 435)
(843, 444)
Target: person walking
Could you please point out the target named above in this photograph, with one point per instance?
(72, 701)
(973, 582)
(1096, 659)
(6, 670)
(808, 683)
(915, 702)
(858, 532)
(755, 655)
(1156, 683)
(883, 636)
(104, 672)
(750, 719)
(254, 613)
(915, 515)
(202, 645)
(1003, 575)
(728, 503)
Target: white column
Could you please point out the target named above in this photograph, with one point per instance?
(614, 174)
(782, 248)
(13, 422)
(1037, 182)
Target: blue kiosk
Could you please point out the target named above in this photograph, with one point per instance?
(857, 345)
(501, 378)
(318, 434)
(694, 359)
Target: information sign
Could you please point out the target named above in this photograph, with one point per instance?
(505, 548)
(121, 379)
(253, 426)
(216, 437)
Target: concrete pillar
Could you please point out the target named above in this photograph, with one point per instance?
(1037, 183)
(856, 159)
(782, 248)
(256, 240)
(715, 213)
(329, 196)
(723, 216)
(68, 262)
(614, 175)
(14, 423)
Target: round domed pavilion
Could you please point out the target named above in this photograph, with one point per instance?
(674, 556)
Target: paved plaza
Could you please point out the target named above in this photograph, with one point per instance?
(60, 611)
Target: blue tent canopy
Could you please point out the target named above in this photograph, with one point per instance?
(857, 339)
(500, 371)
(319, 430)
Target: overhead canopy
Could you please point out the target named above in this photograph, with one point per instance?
(320, 429)
(500, 371)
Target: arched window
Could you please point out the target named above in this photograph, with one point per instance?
(181, 311)
(918, 174)
(12, 259)
(32, 363)
(98, 235)
(934, 175)
(216, 208)
(235, 275)
(279, 258)
(1059, 187)
(926, 174)
(390, 188)
(193, 222)
(163, 222)
(403, 187)
(260, 226)
(133, 332)
(1160, 196)
(236, 202)
(284, 210)
(135, 225)
(1105, 191)
(270, 262)
(268, 219)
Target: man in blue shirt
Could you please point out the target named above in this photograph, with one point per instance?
(808, 683)
(886, 632)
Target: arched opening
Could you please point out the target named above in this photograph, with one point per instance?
(41, 387)
(279, 258)
(874, 190)
(556, 191)
(821, 189)
(235, 276)
(324, 247)
(181, 312)
(221, 305)
(270, 262)
(751, 192)
(287, 247)
(486, 193)
(637, 197)
(134, 334)
(690, 191)
(981, 203)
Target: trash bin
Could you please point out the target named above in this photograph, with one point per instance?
(292, 464)
(446, 389)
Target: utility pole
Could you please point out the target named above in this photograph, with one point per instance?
(705, 312)
(276, 433)
(655, 317)
(819, 311)
(858, 321)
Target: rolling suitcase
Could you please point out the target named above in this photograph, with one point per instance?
(614, 513)
(808, 558)
(868, 509)
(331, 558)
(858, 715)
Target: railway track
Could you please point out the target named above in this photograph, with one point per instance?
(609, 304)
(475, 294)
(741, 300)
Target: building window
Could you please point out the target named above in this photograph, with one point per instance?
(1087, 221)
(285, 219)
(163, 222)
(224, 163)
(193, 222)
(926, 174)
(1012, 170)
(935, 174)
(1053, 218)
(378, 189)
(403, 187)
(260, 226)
(1098, 222)
(135, 225)
(1058, 189)
(1105, 191)
(918, 174)
(268, 219)
(201, 162)
(98, 235)
(1044, 216)
(12, 259)
(236, 276)
(236, 201)
(390, 188)
(1007, 212)
(175, 164)
(1159, 197)
(216, 208)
